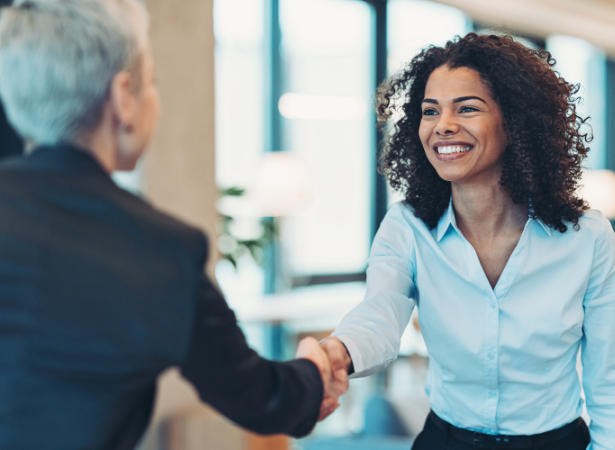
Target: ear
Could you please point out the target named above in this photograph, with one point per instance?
(122, 98)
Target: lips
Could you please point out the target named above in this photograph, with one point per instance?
(450, 147)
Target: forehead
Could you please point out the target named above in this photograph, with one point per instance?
(445, 82)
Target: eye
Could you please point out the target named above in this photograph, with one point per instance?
(467, 109)
(429, 112)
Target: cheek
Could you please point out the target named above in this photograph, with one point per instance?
(424, 133)
(157, 102)
(501, 140)
(152, 108)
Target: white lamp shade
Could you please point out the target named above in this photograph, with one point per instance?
(598, 188)
(283, 185)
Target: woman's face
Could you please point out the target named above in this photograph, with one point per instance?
(147, 108)
(462, 128)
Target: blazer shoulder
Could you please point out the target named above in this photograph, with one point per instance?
(162, 226)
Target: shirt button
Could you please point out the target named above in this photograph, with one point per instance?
(492, 304)
(490, 355)
(493, 394)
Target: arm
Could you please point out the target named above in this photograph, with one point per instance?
(598, 342)
(371, 332)
(258, 394)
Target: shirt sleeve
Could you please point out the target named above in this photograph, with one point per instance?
(372, 330)
(261, 395)
(598, 342)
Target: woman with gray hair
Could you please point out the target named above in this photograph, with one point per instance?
(99, 292)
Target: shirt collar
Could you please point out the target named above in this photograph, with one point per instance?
(544, 227)
(448, 220)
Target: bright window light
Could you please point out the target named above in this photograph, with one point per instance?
(578, 61)
(328, 80)
(412, 26)
(416, 24)
(240, 99)
(322, 107)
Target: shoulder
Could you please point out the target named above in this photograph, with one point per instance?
(593, 227)
(97, 206)
(162, 227)
(594, 234)
(594, 223)
(404, 212)
(399, 228)
(400, 217)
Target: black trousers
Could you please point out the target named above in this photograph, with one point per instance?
(433, 438)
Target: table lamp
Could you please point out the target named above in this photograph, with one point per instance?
(283, 186)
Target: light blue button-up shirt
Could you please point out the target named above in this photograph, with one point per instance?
(503, 360)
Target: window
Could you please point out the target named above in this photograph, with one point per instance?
(299, 76)
(580, 62)
(239, 33)
(415, 24)
(328, 88)
(432, 24)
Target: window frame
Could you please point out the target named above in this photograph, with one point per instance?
(274, 82)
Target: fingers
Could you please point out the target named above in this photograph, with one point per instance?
(337, 386)
(309, 349)
(337, 353)
(340, 384)
(332, 360)
(327, 407)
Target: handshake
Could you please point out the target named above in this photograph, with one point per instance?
(333, 361)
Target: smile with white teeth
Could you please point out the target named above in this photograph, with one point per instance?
(448, 149)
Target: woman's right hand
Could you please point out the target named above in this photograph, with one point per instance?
(337, 353)
(335, 381)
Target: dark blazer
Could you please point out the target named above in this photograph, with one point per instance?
(99, 293)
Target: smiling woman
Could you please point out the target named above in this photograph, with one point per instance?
(511, 273)
(466, 129)
(542, 164)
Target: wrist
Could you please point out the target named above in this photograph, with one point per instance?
(335, 348)
(349, 365)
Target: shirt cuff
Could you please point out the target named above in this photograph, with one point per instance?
(355, 355)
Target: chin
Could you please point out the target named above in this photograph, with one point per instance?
(126, 167)
(128, 162)
(450, 175)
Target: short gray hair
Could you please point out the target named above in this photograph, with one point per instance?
(58, 59)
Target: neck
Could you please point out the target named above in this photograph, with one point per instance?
(485, 211)
(100, 143)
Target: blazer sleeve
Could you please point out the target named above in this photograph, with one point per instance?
(261, 395)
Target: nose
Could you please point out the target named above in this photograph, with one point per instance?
(446, 124)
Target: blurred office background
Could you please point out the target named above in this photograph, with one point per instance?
(296, 171)
(267, 141)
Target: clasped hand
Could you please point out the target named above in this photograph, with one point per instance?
(332, 359)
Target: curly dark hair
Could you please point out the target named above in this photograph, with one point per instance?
(542, 163)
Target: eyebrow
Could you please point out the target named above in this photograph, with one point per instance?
(456, 100)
